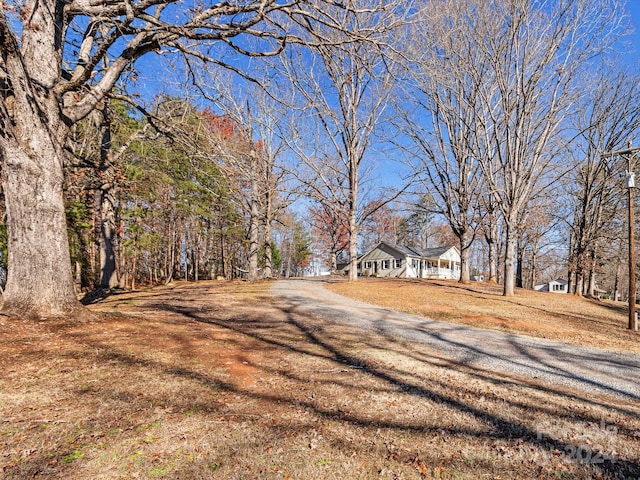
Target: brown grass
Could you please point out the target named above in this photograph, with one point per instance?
(218, 380)
(566, 318)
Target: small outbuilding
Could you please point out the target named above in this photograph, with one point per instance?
(554, 286)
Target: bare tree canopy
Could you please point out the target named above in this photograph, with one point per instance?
(609, 115)
(345, 87)
(521, 66)
(60, 59)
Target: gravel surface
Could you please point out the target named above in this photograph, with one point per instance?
(590, 369)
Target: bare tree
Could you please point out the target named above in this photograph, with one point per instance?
(536, 51)
(345, 87)
(260, 167)
(490, 228)
(413, 230)
(58, 61)
(608, 116)
(329, 227)
(442, 121)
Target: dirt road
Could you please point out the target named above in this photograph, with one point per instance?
(590, 369)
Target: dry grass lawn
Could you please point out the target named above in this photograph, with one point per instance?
(220, 380)
(567, 318)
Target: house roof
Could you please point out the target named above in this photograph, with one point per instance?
(417, 252)
(544, 287)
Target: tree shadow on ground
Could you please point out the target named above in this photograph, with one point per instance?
(369, 366)
(318, 342)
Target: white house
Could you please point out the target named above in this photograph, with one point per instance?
(554, 286)
(388, 260)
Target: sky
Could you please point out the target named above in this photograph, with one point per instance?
(634, 9)
(151, 67)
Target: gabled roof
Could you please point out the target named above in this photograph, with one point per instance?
(415, 252)
(544, 287)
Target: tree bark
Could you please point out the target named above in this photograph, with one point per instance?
(108, 270)
(353, 226)
(464, 258)
(333, 260)
(520, 261)
(491, 236)
(38, 245)
(253, 226)
(32, 135)
(268, 251)
(591, 288)
(580, 282)
(509, 262)
(533, 272)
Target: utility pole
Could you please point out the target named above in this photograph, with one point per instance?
(632, 257)
(630, 154)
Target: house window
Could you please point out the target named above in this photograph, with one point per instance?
(557, 287)
(397, 262)
(367, 265)
(385, 264)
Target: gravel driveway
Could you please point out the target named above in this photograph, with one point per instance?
(590, 369)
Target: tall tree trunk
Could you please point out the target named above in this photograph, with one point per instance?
(580, 282)
(591, 289)
(424, 236)
(353, 225)
(533, 272)
(32, 136)
(333, 260)
(353, 248)
(509, 261)
(616, 285)
(520, 261)
(571, 270)
(253, 228)
(107, 193)
(464, 258)
(268, 252)
(223, 256)
(491, 237)
(289, 253)
(268, 248)
(108, 263)
(38, 245)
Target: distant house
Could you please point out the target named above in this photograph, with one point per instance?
(388, 260)
(554, 286)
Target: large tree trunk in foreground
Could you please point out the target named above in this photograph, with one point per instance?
(32, 136)
(39, 278)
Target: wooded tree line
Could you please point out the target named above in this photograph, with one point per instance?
(180, 193)
(501, 110)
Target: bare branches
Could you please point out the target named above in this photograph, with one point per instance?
(345, 84)
(102, 39)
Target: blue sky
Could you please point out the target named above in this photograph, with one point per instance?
(634, 9)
